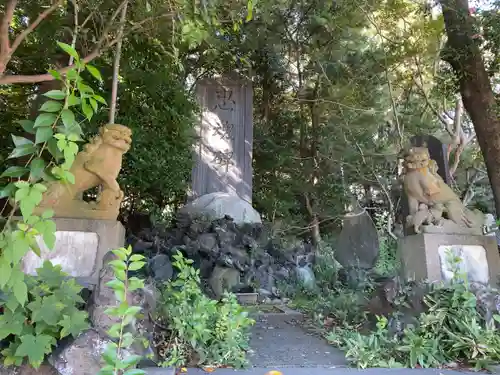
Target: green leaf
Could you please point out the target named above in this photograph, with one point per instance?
(136, 266)
(5, 272)
(250, 10)
(136, 257)
(94, 71)
(23, 150)
(68, 118)
(118, 264)
(27, 125)
(132, 361)
(69, 50)
(45, 119)
(93, 104)
(55, 74)
(37, 166)
(20, 292)
(87, 110)
(47, 214)
(20, 141)
(120, 254)
(43, 134)
(55, 94)
(100, 99)
(73, 325)
(35, 348)
(51, 106)
(73, 100)
(116, 284)
(11, 323)
(7, 191)
(14, 171)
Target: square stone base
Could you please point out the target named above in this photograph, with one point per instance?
(80, 247)
(422, 256)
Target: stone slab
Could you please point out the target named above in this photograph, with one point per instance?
(80, 247)
(421, 260)
(319, 370)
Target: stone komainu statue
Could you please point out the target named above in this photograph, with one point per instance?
(430, 198)
(98, 164)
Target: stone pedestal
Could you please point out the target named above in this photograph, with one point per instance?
(80, 247)
(423, 257)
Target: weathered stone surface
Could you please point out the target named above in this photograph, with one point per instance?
(98, 164)
(80, 247)
(218, 204)
(28, 370)
(358, 244)
(83, 356)
(420, 256)
(223, 154)
(76, 252)
(473, 262)
(223, 279)
(161, 268)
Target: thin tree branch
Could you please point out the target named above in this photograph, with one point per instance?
(116, 67)
(4, 35)
(32, 26)
(11, 79)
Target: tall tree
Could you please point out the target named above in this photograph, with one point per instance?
(463, 53)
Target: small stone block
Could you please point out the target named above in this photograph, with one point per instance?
(423, 257)
(80, 247)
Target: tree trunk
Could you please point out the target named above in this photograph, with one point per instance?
(463, 53)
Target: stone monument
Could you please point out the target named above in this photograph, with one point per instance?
(438, 223)
(86, 231)
(223, 153)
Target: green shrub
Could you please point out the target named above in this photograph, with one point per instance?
(50, 314)
(215, 333)
(451, 330)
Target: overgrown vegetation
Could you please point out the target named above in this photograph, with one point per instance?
(53, 310)
(418, 325)
(117, 360)
(201, 331)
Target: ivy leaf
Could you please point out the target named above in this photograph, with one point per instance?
(69, 50)
(50, 274)
(43, 134)
(55, 94)
(48, 311)
(51, 106)
(74, 324)
(27, 125)
(35, 348)
(11, 323)
(95, 72)
(45, 119)
(14, 171)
